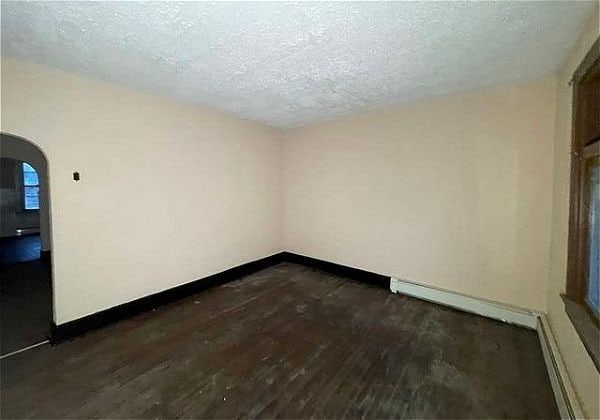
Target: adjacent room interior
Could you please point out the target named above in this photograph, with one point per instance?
(308, 209)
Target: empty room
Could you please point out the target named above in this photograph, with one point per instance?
(300, 209)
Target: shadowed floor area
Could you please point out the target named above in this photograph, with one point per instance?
(20, 249)
(288, 341)
(25, 304)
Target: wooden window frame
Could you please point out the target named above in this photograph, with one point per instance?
(584, 320)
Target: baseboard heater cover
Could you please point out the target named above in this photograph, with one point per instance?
(466, 303)
(563, 390)
(564, 394)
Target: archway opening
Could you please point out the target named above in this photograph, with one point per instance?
(25, 246)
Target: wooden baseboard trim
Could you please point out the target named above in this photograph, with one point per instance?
(45, 256)
(339, 269)
(75, 328)
(564, 393)
(72, 329)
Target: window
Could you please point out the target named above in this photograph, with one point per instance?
(591, 191)
(31, 188)
(582, 299)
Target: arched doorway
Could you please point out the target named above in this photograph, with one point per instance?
(25, 245)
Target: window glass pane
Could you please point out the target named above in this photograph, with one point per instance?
(32, 200)
(593, 292)
(30, 176)
(27, 167)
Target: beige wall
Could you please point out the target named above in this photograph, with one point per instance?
(169, 193)
(458, 192)
(454, 192)
(581, 369)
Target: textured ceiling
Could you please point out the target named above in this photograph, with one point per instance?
(290, 64)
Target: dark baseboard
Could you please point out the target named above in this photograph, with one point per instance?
(72, 329)
(340, 270)
(45, 256)
(22, 235)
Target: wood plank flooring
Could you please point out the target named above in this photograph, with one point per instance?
(287, 342)
(25, 304)
(18, 249)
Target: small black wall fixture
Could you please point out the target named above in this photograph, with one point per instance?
(72, 329)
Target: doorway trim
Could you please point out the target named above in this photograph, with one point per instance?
(46, 256)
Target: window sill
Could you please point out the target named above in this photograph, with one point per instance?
(588, 331)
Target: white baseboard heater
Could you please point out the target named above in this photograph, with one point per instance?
(564, 394)
(466, 303)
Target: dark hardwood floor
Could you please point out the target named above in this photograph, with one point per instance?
(287, 342)
(20, 249)
(25, 294)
